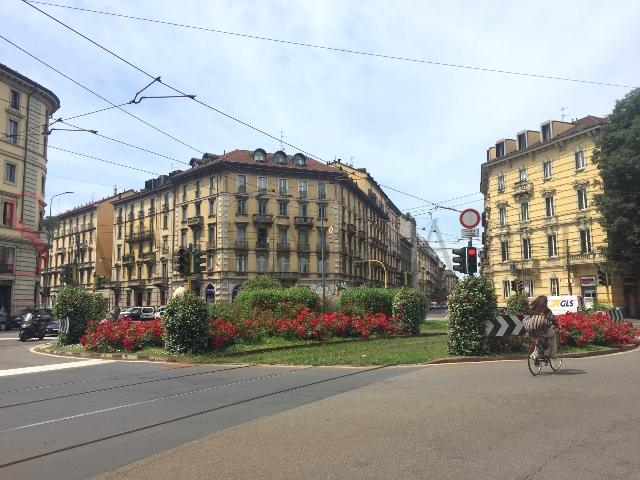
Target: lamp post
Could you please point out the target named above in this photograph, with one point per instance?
(50, 242)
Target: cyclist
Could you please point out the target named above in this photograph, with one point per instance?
(542, 323)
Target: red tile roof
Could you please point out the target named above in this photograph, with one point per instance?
(94, 203)
(582, 123)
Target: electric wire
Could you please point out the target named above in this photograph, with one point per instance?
(334, 49)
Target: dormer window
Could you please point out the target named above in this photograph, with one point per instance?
(260, 155)
(299, 159)
(279, 157)
(499, 149)
(522, 141)
(545, 130)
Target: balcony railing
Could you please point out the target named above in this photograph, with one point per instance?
(152, 210)
(140, 236)
(140, 213)
(242, 273)
(195, 221)
(197, 193)
(83, 246)
(128, 259)
(119, 219)
(361, 235)
(283, 246)
(304, 247)
(302, 194)
(262, 218)
(130, 216)
(351, 229)
(165, 207)
(303, 221)
(522, 188)
(161, 281)
(262, 245)
(211, 246)
(286, 275)
(114, 285)
(148, 257)
(242, 189)
(283, 192)
(242, 244)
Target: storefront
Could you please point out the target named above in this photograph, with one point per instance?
(588, 287)
(6, 287)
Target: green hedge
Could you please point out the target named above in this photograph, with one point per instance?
(410, 305)
(471, 303)
(186, 325)
(78, 305)
(276, 302)
(260, 282)
(518, 303)
(362, 300)
(226, 312)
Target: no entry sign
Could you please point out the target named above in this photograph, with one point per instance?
(469, 218)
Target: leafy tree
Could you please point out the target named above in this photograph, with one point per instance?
(186, 324)
(74, 303)
(411, 306)
(518, 303)
(409, 217)
(617, 156)
(259, 282)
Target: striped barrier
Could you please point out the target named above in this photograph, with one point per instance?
(505, 325)
(615, 315)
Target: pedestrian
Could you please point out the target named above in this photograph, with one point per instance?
(542, 323)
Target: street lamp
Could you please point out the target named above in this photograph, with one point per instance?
(50, 241)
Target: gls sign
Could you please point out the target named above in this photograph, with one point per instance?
(566, 303)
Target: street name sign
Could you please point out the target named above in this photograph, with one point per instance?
(470, 232)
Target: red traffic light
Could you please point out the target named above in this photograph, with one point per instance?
(471, 251)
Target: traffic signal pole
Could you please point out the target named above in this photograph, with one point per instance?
(376, 261)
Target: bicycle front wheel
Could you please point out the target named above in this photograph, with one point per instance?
(535, 365)
(556, 363)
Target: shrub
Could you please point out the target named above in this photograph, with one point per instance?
(260, 282)
(224, 311)
(123, 334)
(276, 302)
(361, 301)
(186, 323)
(99, 307)
(471, 303)
(518, 304)
(410, 305)
(598, 307)
(74, 303)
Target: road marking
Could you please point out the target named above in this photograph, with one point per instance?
(50, 368)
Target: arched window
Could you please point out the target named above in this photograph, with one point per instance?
(260, 155)
(279, 157)
(299, 159)
(303, 265)
(241, 263)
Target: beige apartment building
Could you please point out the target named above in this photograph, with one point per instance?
(539, 220)
(26, 108)
(84, 237)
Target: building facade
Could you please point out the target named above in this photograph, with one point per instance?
(27, 106)
(539, 221)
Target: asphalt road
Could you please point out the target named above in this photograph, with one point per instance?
(16, 354)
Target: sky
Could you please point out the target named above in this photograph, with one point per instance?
(418, 128)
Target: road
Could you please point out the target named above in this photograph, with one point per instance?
(485, 420)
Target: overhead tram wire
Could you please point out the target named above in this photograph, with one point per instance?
(78, 180)
(119, 107)
(102, 160)
(333, 49)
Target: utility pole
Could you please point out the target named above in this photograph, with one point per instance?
(322, 240)
(569, 270)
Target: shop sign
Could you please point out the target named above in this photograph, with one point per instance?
(629, 280)
(6, 282)
(211, 291)
(235, 291)
(588, 281)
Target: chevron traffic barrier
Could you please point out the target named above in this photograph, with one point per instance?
(614, 315)
(505, 325)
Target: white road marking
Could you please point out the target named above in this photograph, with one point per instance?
(50, 368)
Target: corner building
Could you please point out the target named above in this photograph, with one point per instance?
(539, 220)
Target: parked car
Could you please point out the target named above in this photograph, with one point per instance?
(3, 323)
(160, 311)
(15, 320)
(434, 306)
(53, 326)
(132, 312)
(147, 313)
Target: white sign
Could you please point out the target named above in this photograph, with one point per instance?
(470, 232)
(469, 218)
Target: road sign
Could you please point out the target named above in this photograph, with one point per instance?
(470, 232)
(470, 218)
(331, 229)
(505, 325)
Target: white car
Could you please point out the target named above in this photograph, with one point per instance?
(160, 311)
(434, 306)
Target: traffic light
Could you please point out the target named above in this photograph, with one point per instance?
(604, 278)
(67, 274)
(460, 262)
(399, 278)
(182, 262)
(514, 286)
(99, 282)
(472, 260)
(520, 286)
(199, 262)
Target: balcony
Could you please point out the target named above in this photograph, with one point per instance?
(61, 250)
(130, 216)
(319, 248)
(148, 257)
(195, 222)
(351, 229)
(197, 193)
(283, 247)
(211, 246)
(140, 213)
(304, 247)
(119, 219)
(303, 221)
(242, 190)
(83, 246)
(262, 244)
(522, 189)
(114, 285)
(152, 210)
(302, 194)
(128, 259)
(283, 192)
(138, 284)
(361, 235)
(286, 275)
(262, 218)
(165, 207)
(585, 257)
(160, 281)
(140, 236)
(242, 245)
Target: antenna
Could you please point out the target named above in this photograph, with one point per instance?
(563, 114)
(282, 137)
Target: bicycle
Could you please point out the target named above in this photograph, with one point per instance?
(537, 361)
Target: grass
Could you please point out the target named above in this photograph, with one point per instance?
(435, 326)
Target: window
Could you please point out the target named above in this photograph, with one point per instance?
(322, 266)
(585, 241)
(197, 209)
(282, 236)
(302, 188)
(184, 192)
(184, 213)
(552, 247)
(582, 199)
(196, 237)
(501, 183)
(279, 157)
(139, 271)
(528, 287)
(283, 263)
(183, 238)
(526, 248)
(503, 216)
(15, 100)
(119, 252)
(299, 159)
(165, 222)
(546, 132)
(303, 265)
(499, 149)
(241, 263)
(165, 205)
(165, 245)
(524, 212)
(322, 190)
(579, 160)
(241, 233)
(262, 208)
(522, 174)
(212, 234)
(242, 183)
(7, 214)
(242, 207)
(12, 132)
(44, 179)
(504, 247)
(322, 212)
(262, 184)
(212, 184)
(259, 155)
(282, 186)
(10, 172)
(198, 185)
(549, 207)
(554, 287)
(119, 233)
(263, 263)
(546, 170)
(303, 210)
(282, 209)
(303, 237)
(522, 143)
(210, 262)
(506, 289)
(212, 208)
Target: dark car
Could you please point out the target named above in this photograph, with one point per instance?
(53, 326)
(15, 320)
(46, 314)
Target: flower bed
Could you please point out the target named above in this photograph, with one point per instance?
(107, 336)
(307, 325)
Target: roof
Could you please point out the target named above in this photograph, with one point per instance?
(245, 157)
(28, 80)
(91, 204)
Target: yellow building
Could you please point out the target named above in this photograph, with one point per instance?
(23, 153)
(84, 237)
(539, 220)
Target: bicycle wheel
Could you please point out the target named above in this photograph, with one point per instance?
(556, 363)
(535, 365)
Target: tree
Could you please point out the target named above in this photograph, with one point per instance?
(407, 216)
(617, 156)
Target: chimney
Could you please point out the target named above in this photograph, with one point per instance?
(115, 189)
